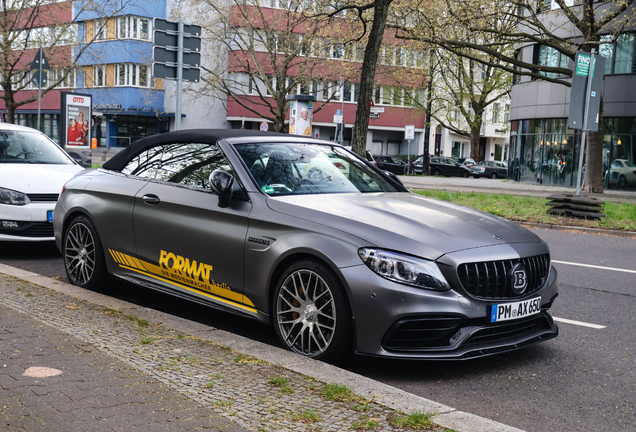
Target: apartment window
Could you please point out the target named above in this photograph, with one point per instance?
(619, 55)
(70, 78)
(507, 114)
(346, 92)
(99, 76)
(132, 27)
(360, 52)
(397, 96)
(99, 29)
(133, 75)
(495, 112)
(548, 56)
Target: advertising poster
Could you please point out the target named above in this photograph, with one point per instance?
(76, 112)
(300, 117)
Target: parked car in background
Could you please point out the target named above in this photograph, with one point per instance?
(418, 165)
(492, 169)
(33, 170)
(622, 173)
(468, 162)
(392, 164)
(447, 167)
(265, 226)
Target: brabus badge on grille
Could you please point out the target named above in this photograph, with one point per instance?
(518, 278)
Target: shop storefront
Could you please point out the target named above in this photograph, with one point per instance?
(546, 151)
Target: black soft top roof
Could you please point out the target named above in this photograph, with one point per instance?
(204, 136)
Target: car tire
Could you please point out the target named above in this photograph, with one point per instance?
(311, 313)
(493, 176)
(465, 174)
(622, 182)
(83, 254)
(437, 172)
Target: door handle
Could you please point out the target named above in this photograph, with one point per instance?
(151, 199)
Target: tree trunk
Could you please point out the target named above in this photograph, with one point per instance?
(593, 181)
(475, 135)
(367, 76)
(10, 105)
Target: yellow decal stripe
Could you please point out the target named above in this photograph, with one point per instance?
(121, 257)
(220, 299)
(140, 264)
(113, 255)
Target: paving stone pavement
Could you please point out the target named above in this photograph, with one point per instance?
(122, 373)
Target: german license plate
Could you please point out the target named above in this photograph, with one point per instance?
(510, 311)
(49, 215)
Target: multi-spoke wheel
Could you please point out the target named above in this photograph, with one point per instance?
(83, 254)
(312, 316)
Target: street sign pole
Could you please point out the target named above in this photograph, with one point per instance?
(39, 85)
(177, 120)
(585, 119)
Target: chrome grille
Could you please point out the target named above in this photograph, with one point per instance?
(489, 279)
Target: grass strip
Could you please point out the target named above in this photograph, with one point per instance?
(619, 216)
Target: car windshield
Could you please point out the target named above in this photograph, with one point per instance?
(30, 147)
(302, 169)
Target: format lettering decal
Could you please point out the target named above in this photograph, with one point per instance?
(184, 273)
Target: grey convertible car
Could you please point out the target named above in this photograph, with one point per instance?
(306, 236)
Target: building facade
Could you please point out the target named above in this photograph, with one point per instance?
(543, 148)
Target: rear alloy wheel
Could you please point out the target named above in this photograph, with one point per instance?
(493, 176)
(83, 254)
(465, 174)
(622, 182)
(437, 172)
(312, 315)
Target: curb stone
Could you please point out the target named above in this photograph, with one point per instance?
(381, 394)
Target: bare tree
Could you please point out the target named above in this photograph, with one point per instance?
(274, 52)
(25, 26)
(546, 23)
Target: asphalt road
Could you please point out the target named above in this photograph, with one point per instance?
(584, 380)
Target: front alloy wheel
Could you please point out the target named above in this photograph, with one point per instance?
(311, 314)
(83, 256)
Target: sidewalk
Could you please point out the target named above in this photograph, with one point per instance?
(124, 367)
(456, 184)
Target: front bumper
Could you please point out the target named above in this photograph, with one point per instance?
(398, 321)
(32, 221)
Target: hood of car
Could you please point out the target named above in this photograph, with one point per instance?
(405, 222)
(36, 178)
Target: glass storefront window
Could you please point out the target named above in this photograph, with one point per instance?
(546, 151)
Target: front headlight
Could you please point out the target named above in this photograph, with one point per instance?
(8, 196)
(404, 269)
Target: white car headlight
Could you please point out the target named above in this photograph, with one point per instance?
(404, 269)
(8, 196)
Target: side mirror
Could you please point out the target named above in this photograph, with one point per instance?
(221, 183)
(394, 177)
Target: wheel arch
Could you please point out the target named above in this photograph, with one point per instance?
(293, 257)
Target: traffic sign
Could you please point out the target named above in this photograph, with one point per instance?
(165, 25)
(377, 110)
(264, 126)
(167, 55)
(161, 70)
(36, 61)
(579, 91)
(40, 78)
(337, 118)
(409, 132)
(164, 39)
(339, 112)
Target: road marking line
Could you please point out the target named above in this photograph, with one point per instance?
(579, 323)
(595, 266)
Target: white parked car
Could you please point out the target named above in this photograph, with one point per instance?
(622, 173)
(33, 170)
